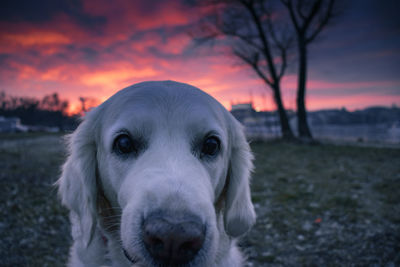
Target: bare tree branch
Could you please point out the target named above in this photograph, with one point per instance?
(299, 8)
(255, 39)
(323, 23)
(254, 63)
(316, 7)
(309, 18)
(266, 47)
(289, 5)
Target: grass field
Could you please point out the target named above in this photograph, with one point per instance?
(322, 205)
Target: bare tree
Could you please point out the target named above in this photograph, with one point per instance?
(87, 103)
(54, 103)
(250, 30)
(309, 18)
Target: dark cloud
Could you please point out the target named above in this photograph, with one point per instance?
(73, 53)
(42, 11)
(90, 54)
(101, 44)
(363, 44)
(149, 7)
(387, 13)
(4, 57)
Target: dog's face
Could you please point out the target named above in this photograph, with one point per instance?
(163, 154)
(169, 161)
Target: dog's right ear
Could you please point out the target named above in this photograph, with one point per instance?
(77, 184)
(239, 212)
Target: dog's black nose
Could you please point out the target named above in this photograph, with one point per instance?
(173, 241)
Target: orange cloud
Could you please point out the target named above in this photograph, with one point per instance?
(116, 76)
(136, 44)
(36, 38)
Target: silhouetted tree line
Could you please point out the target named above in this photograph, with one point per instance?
(49, 111)
(373, 115)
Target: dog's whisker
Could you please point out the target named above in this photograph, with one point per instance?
(112, 208)
(112, 228)
(113, 217)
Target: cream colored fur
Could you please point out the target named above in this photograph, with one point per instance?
(108, 195)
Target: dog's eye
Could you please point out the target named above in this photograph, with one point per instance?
(123, 144)
(211, 146)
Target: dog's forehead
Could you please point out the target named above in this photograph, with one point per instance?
(165, 95)
(164, 102)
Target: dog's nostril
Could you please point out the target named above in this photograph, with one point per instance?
(171, 243)
(193, 245)
(156, 243)
(188, 245)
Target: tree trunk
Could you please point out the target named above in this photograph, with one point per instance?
(303, 129)
(287, 133)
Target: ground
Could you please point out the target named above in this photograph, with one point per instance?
(320, 205)
(325, 205)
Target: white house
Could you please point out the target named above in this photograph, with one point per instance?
(11, 125)
(258, 125)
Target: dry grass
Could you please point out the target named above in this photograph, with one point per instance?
(325, 205)
(317, 205)
(34, 229)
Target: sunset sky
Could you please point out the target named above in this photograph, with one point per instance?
(94, 48)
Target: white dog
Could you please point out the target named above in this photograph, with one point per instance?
(158, 175)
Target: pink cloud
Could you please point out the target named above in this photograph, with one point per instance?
(59, 61)
(351, 102)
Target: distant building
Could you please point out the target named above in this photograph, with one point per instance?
(11, 125)
(242, 111)
(257, 125)
(373, 124)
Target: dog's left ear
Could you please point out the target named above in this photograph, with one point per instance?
(239, 213)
